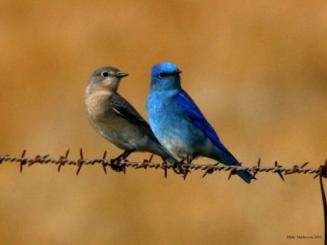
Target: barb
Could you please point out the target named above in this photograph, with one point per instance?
(104, 165)
(22, 161)
(62, 160)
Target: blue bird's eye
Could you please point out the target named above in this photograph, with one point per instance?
(168, 74)
(162, 75)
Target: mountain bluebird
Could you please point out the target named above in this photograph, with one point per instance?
(116, 119)
(179, 124)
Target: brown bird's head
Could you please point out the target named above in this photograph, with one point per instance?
(105, 78)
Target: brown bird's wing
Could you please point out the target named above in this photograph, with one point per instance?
(124, 109)
(127, 111)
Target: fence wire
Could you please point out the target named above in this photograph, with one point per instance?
(122, 164)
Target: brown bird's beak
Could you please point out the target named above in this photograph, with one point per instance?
(121, 74)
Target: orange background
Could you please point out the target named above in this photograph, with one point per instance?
(258, 71)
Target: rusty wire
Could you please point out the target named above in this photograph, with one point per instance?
(105, 162)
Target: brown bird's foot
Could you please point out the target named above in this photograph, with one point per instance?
(116, 163)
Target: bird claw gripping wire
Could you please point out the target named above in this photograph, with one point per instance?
(181, 168)
(118, 164)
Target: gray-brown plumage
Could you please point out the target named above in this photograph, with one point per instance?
(116, 119)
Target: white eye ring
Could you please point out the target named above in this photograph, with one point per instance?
(105, 74)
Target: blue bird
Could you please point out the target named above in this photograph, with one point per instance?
(178, 123)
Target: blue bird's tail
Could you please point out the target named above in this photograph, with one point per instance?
(230, 160)
(245, 175)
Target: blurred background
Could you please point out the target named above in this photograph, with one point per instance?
(258, 71)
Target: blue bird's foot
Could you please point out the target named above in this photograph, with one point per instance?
(177, 167)
(181, 169)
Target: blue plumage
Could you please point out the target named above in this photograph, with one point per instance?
(179, 124)
(195, 115)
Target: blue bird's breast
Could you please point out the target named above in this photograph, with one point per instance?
(177, 134)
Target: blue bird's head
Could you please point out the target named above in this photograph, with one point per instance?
(165, 76)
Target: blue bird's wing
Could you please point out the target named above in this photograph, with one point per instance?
(195, 116)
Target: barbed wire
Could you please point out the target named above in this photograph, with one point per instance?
(124, 163)
(118, 164)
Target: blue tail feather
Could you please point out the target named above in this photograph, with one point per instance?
(229, 159)
(245, 175)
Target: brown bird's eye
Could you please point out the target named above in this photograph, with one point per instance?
(105, 74)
